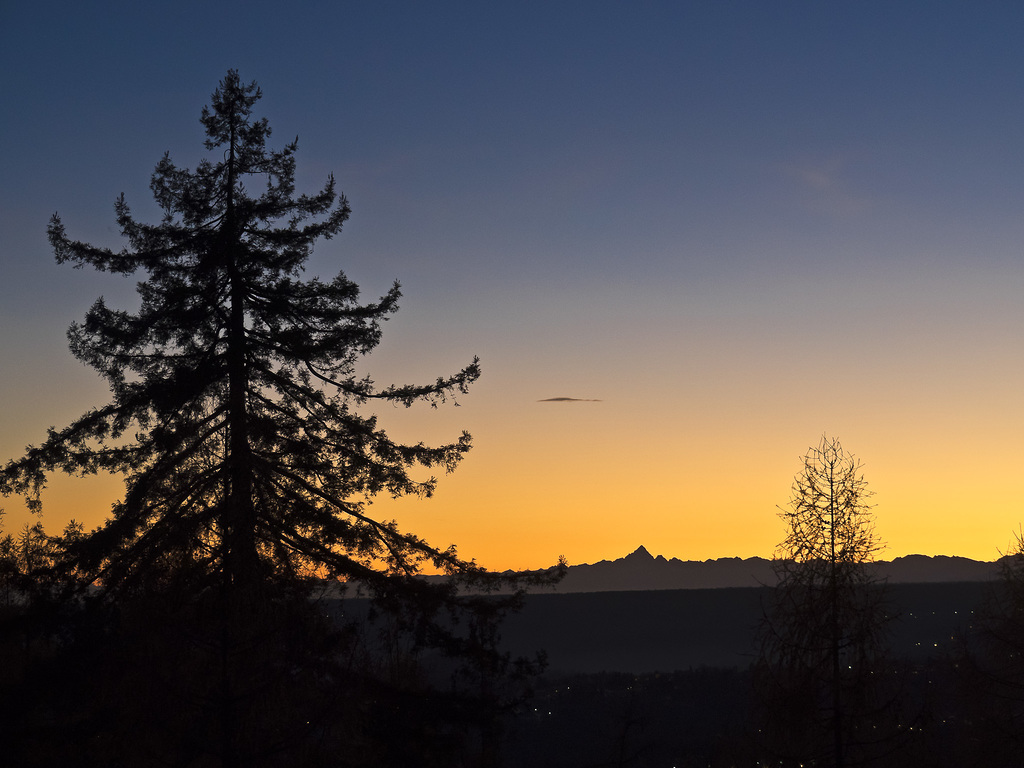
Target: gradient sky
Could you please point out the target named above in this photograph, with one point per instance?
(726, 227)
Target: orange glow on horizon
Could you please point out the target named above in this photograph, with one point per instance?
(685, 443)
(509, 509)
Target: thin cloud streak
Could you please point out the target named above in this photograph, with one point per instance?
(568, 400)
(825, 181)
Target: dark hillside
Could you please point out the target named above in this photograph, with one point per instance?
(666, 630)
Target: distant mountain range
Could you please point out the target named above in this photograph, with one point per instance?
(641, 571)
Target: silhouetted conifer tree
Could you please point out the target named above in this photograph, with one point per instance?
(822, 640)
(235, 420)
(234, 416)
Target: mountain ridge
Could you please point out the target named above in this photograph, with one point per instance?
(642, 571)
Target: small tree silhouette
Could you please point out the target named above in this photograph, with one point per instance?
(823, 631)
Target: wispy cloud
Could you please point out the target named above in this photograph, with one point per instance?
(568, 400)
(825, 182)
(818, 175)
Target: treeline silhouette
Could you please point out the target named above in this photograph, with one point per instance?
(314, 679)
(94, 686)
(242, 606)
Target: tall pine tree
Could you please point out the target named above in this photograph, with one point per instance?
(235, 412)
(237, 420)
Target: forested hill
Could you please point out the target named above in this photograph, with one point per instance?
(665, 630)
(641, 571)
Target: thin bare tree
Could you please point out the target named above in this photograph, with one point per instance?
(823, 633)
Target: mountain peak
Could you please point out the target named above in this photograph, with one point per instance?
(640, 553)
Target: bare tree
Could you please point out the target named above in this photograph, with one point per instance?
(821, 639)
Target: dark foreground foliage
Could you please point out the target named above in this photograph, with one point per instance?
(708, 717)
(311, 682)
(346, 682)
(695, 717)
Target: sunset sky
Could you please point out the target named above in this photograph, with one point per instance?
(721, 228)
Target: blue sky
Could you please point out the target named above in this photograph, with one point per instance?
(737, 225)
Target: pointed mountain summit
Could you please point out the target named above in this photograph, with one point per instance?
(640, 554)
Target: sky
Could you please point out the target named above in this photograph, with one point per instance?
(719, 230)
